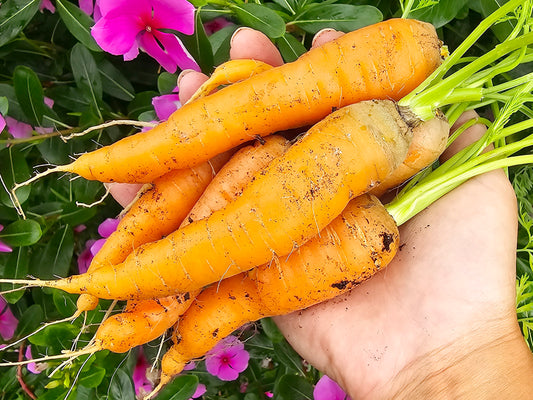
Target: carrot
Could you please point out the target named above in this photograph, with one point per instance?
(290, 201)
(140, 323)
(429, 141)
(383, 61)
(357, 244)
(156, 213)
(235, 175)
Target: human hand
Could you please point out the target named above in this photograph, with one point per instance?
(447, 296)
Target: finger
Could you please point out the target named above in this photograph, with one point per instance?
(249, 43)
(468, 137)
(188, 82)
(324, 36)
(123, 193)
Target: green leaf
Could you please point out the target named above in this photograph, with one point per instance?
(24, 232)
(56, 336)
(114, 82)
(181, 388)
(30, 320)
(286, 355)
(14, 16)
(16, 267)
(271, 330)
(14, 107)
(78, 23)
(166, 82)
(290, 5)
(293, 387)
(220, 43)
(121, 386)
(199, 46)
(86, 74)
(13, 168)
(55, 151)
(4, 105)
(93, 377)
(342, 17)
(57, 256)
(141, 103)
(261, 18)
(440, 13)
(65, 303)
(74, 215)
(290, 47)
(29, 94)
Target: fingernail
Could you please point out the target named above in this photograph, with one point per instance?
(320, 33)
(242, 28)
(182, 74)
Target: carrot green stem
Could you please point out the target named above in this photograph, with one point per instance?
(424, 194)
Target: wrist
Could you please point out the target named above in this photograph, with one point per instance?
(469, 368)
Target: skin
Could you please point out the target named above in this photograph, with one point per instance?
(440, 321)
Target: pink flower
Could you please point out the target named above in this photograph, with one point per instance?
(269, 394)
(90, 8)
(328, 389)
(105, 229)
(34, 368)
(216, 24)
(20, 130)
(8, 322)
(85, 258)
(129, 25)
(166, 104)
(2, 123)
(227, 359)
(4, 248)
(47, 5)
(200, 390)
(140, 381)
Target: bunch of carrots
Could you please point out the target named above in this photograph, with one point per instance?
(240, 221)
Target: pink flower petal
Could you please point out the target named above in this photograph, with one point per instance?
(200, 390)
(2, 123)
(48, 101)
(151, 46)
(85, 258)
(189, 366)
(95, 248)
(86, 6)
(32, 367)
(117, 35)
(8, 322)
(177, 51)
(328, 389)
(215, 25)
(106, 228)
(47, 5)
(18, 129)
(140, 381)
(4, 248)
(117, 7)
(227, 373)
(165, 105)
(239, 360)
(177, 15)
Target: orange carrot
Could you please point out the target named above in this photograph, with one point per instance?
(357, 244)
(429, 141)
(383, 61)
(141, 323)
(156, 213)
(235, 175)
(290, 201)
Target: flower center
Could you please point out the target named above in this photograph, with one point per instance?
(148, 28)
(225, 360)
